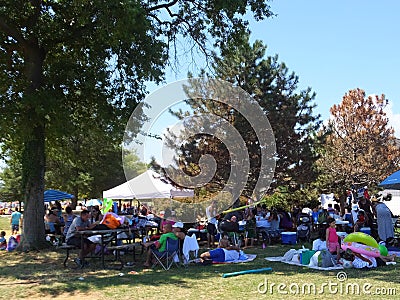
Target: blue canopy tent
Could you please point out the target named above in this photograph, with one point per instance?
(392, 182)
(93, 202)
(54, 195)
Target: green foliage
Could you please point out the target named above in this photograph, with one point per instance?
(133, 166)
(289, 112)
(71, 73)
(360, 147)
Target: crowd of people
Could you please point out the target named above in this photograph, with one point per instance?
(368, 212)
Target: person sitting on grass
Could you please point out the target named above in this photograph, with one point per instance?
(158, 247)
(3, 241)
(78, 224)
(225, 252)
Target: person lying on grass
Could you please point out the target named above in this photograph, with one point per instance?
(361, 261)
(225, 252)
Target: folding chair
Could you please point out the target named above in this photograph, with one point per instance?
(168, 257)
(190, 245)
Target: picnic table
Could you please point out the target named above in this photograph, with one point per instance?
(107, 238)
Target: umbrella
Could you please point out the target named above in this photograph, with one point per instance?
(93, 202)
(392, 182)
(54, 195)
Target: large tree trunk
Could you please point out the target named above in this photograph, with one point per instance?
(33, 168)
(33, 154)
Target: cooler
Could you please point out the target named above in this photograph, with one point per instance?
(366, 230)
(289, 238)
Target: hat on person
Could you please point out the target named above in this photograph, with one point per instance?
(178, 225)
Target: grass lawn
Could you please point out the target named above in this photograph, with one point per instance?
(41, 275)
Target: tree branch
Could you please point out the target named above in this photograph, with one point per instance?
(160, 6)
(11, 31)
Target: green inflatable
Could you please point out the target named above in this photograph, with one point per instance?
(361, 237)
(107, 204)
(383, 250)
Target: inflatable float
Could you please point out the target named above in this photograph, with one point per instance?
(362, 238)
(361, 249)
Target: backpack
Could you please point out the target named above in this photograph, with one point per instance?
(12, 243)
(289, 255)
(111, 221)
(326, 259)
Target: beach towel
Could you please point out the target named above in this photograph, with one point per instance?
(242, 259)
(295, 263)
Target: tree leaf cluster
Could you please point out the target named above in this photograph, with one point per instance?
(71, 73)
(290, 113)
(360, 148)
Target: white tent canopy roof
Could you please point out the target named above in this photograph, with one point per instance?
(148, 185)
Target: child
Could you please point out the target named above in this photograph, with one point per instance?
(250, 228)
(361, 220)
(332, 239)
(3, 241)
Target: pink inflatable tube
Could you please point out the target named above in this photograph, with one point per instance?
(361, 249)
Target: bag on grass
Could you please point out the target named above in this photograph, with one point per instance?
(110, 221)
(326, 259)
(288, 256)
(12, 243)
(314, 259)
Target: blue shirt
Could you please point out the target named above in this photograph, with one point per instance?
(15, 216)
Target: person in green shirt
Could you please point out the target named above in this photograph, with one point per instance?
(160, 245)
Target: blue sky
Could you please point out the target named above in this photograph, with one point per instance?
(333, 46)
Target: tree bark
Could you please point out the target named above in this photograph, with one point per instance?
(33, 168)
(33, 154)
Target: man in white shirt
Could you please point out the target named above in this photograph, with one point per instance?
(211, 212)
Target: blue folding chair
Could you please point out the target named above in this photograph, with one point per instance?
(168, 257)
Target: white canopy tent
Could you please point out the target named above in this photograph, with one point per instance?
(148, 185)
(394, 203)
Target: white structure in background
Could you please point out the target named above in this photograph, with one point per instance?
(327, 199)
(148, 185)
(394, 204)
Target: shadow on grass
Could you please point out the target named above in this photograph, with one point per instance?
(42, 273)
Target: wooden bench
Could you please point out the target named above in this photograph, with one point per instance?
(68, 248)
